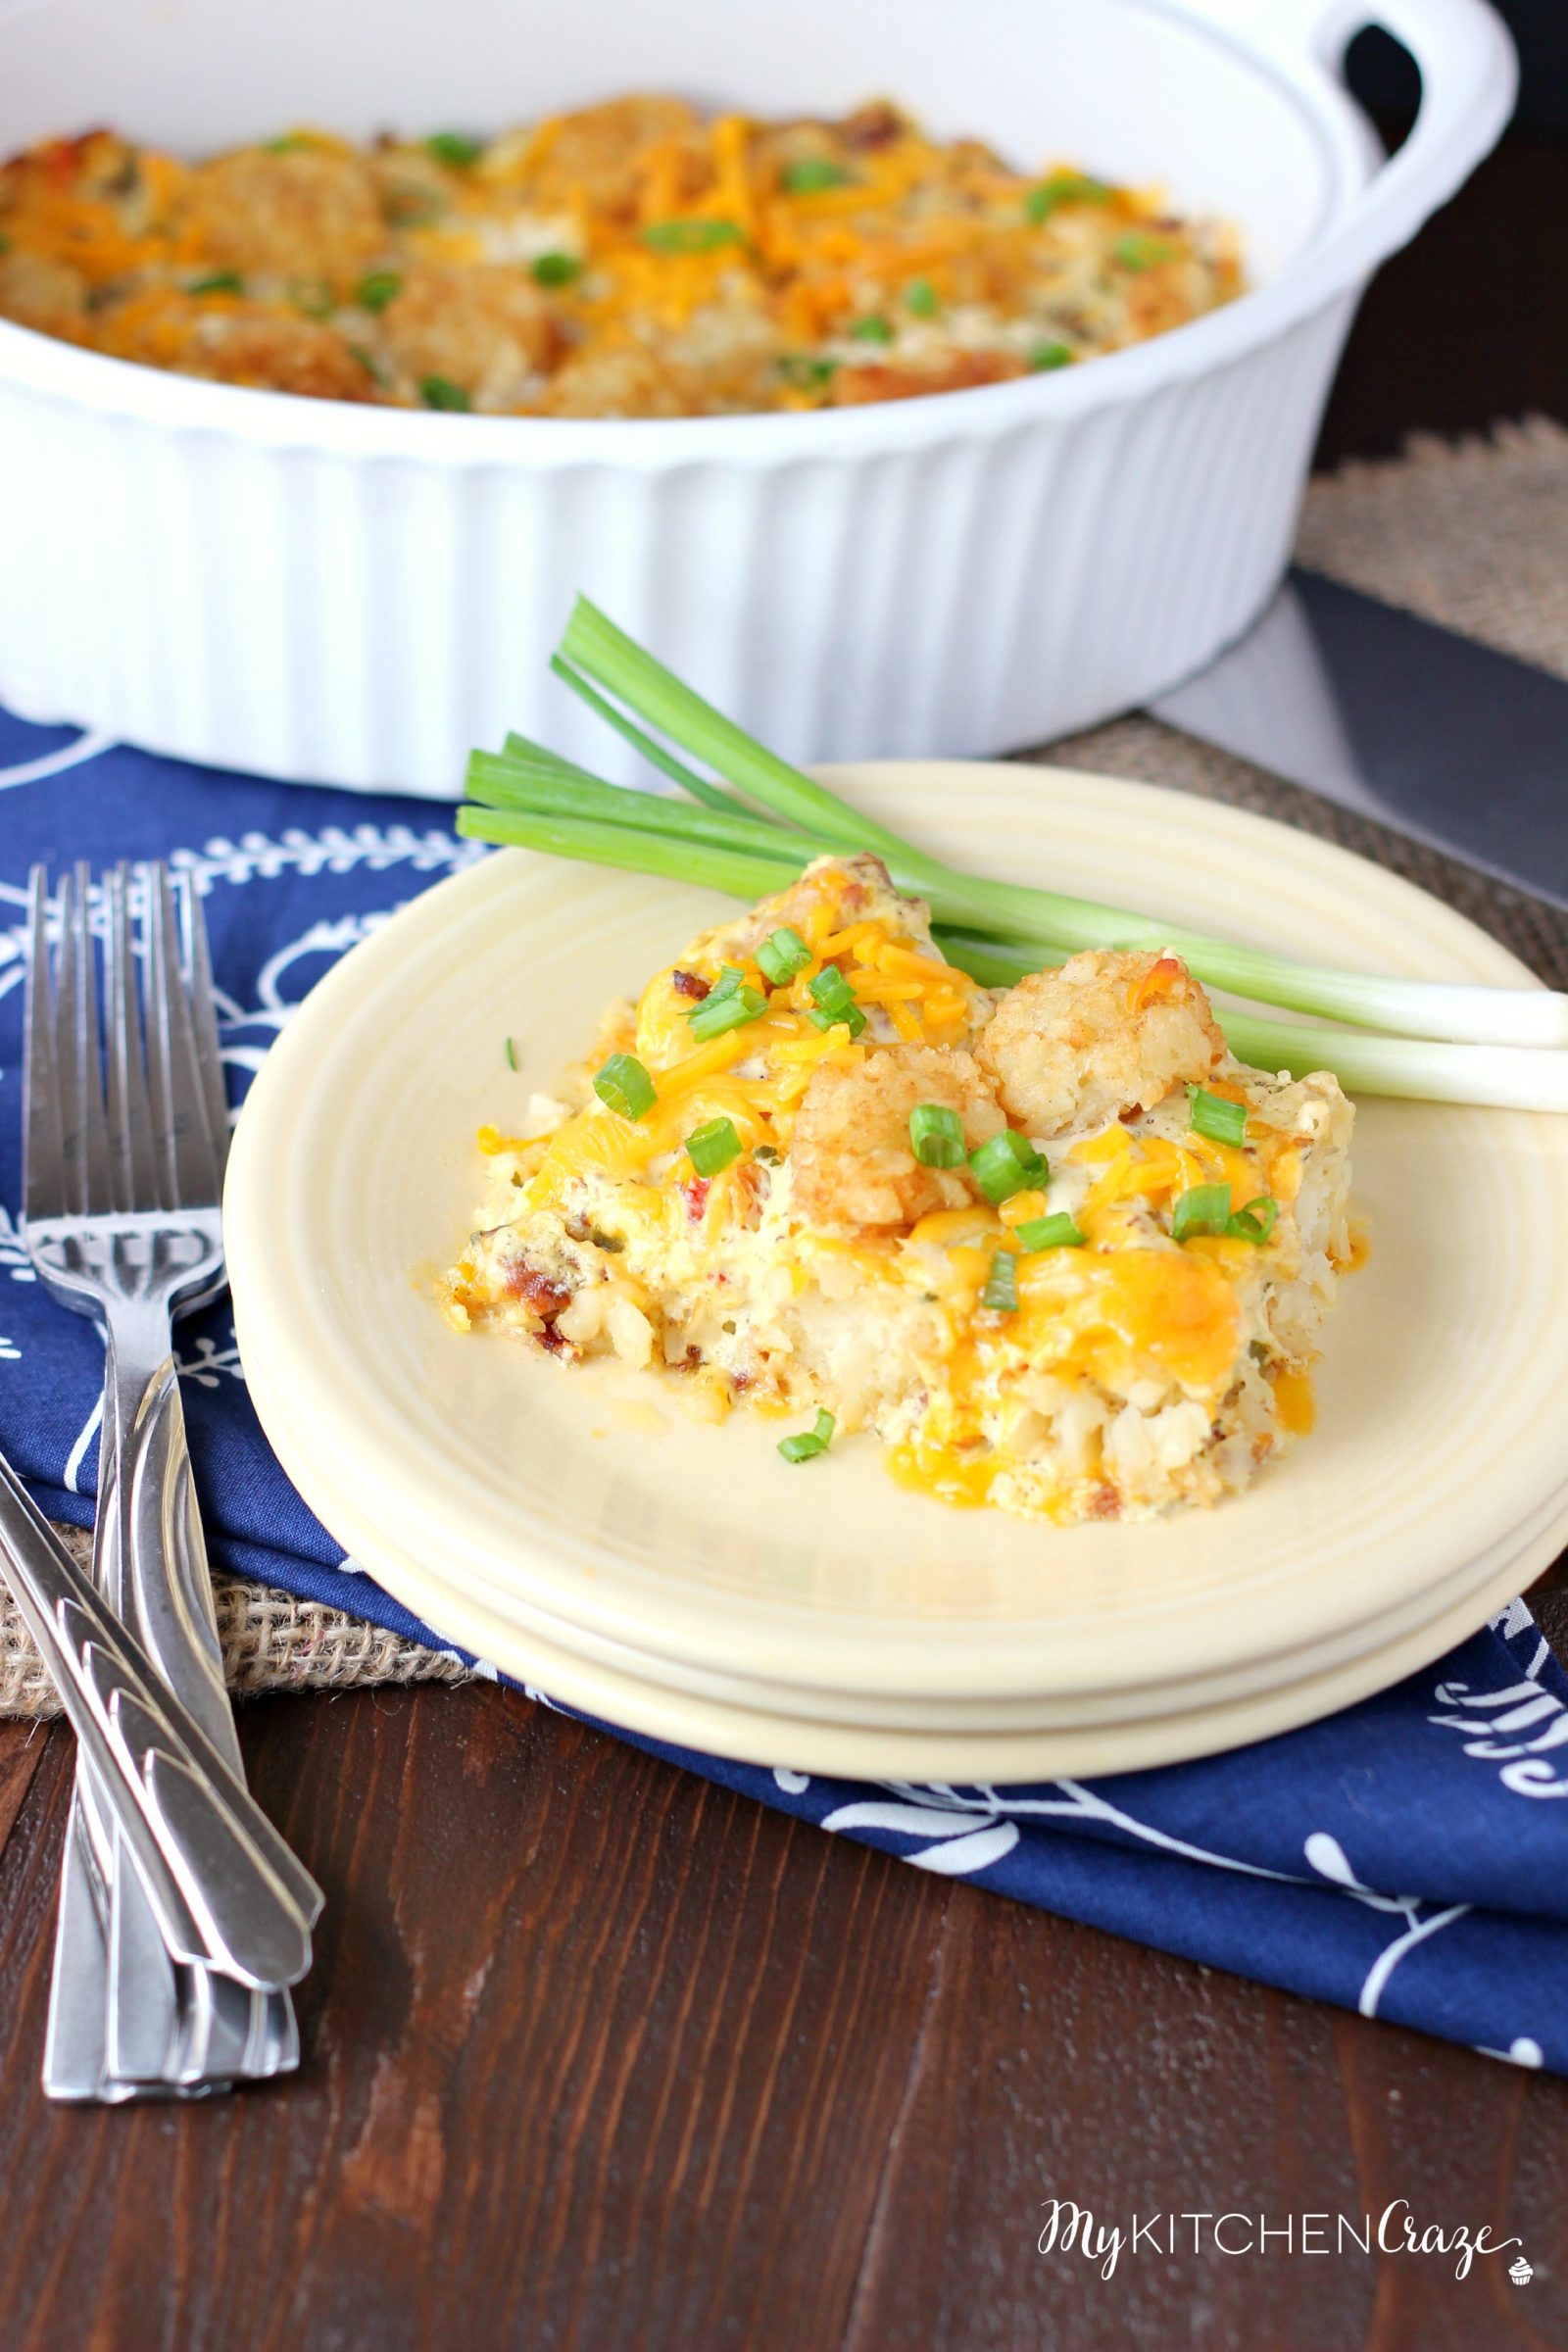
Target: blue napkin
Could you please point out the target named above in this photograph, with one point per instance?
(1407, 1857)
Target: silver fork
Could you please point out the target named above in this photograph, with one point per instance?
(121, 1218)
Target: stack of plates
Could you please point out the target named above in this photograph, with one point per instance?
(580, 1531)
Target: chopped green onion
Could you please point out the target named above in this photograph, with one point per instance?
(374, 292)
(1254, 1222)
(555, 269)
(769, 1154)
(5, 244)
(313, 297)
(1206, 1208)
(726, 1008)
(1055, 1232)
(1048, 356)
(835, 1002)
(783, 955)
(830, 987)
(920, 296)
(624, 1085)
(371, 364)
(871, 329)
(1063, 188)
(292, 142)
(1222, 1121)
(439, 392)
(221, 281)
(936, 1135)
(691, 236)
(730, 976)
(1005, 1164)
(849, 1016)
(806, 373)
(1001, 1292)
(1136, 252)
(809, 1442)
(511, 1055)
(712, 1146)
(810, 174)
(454, 149)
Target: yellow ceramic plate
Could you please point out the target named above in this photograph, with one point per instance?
(760, 1725)
(577, 1518)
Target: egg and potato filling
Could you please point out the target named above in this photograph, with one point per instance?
(1052, 1244)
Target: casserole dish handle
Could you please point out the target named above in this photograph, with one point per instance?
(1469, 80)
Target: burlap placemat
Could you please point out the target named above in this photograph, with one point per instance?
(1472, 536)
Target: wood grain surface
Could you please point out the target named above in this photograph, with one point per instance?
(599, 2058)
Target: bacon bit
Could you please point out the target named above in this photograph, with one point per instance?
(1160, 978)
(554, 1343)
(545, 1298)
(740, 1381)
(694, 1192)
(1106, 1504)
(689, 984)
(875, 125)
(689, 1362)
(63, 157)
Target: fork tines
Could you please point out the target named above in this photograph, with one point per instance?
(160, 1138)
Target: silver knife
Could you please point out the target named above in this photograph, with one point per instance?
(1459, 746)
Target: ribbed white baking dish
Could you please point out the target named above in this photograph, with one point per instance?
(355, 596)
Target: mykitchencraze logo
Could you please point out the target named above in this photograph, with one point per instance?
(1072, 2229)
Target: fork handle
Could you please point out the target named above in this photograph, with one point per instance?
(152, 1556)
(226, 1889)
(155, 1559)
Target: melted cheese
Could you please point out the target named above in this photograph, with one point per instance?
(1112, 1318)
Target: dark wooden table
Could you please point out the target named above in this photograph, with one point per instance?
(602, 2059)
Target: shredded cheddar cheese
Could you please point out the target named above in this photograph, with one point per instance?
(628, 259)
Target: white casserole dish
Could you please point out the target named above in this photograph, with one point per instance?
(355, 596)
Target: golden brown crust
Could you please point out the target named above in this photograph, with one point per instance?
(853, 1161)
(952, 372)
(1106, 1034)
(273, 352)
(305, 213)
(482, 327)
(606, 154)
(36, 291)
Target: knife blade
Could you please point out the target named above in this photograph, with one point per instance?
(1426, 731)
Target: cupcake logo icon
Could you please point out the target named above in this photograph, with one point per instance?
(1520, 2272)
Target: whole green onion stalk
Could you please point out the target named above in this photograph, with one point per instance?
(751, 828)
